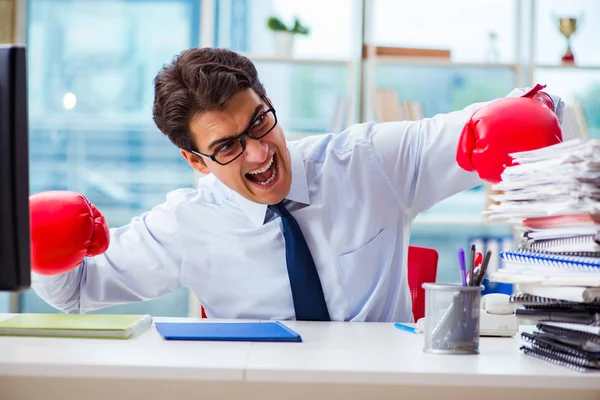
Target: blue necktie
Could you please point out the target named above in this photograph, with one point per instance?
(307, 293)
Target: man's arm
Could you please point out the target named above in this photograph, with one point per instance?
(420, 158)
(143, 261)
(435, 158)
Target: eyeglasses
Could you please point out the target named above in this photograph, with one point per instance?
(229, 151)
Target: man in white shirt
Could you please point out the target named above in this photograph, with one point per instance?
(353, 195)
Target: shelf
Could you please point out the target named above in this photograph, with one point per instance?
(86, 120)
(560, 66)
(438, 62)
(293, 60)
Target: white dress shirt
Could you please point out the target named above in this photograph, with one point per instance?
(354, 194)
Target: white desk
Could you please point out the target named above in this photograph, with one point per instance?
(335, 360)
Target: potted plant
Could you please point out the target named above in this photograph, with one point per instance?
(284, 35)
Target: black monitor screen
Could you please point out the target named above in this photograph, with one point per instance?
(15, 267)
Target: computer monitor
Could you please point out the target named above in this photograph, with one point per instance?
(15, 269)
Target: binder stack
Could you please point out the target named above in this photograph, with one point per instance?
(553, 196)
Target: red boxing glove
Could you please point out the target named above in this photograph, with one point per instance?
(506, 126)
(65, 228)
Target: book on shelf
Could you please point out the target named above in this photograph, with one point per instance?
(574, 124)
(389, 108)
(395, 51)
(339, 116)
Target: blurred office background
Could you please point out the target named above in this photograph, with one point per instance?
(91, 66)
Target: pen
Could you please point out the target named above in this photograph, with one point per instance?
(405, 328)
(472, 265)
(484, 264)
(476, 271)
(463, 268)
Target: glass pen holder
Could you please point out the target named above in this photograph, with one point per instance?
(451, 318)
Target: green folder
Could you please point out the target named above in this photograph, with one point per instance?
(106, 326)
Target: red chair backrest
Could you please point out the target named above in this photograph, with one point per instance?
(422, 268)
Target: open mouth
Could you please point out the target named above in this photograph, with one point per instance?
(264, 177)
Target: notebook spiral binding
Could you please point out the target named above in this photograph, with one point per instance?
(577, 263)
(544, 244)
(530, 299)
(568, 361)
(589, 307)
(535, 341)
(576, 334)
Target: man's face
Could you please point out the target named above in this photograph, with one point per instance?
(262, 173)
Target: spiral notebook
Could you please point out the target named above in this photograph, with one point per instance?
(568, 355)
(533, 300)
(577, 294)
(529, 267)
(570, 361)
(579, 343)
(581, 245)
(551, 344)
(536, 315)
(566, 262)
(571, 330)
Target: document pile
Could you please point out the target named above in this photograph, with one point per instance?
(553, 194)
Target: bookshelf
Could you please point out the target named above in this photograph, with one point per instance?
(566, 67)
(518, 69)
(299, 60)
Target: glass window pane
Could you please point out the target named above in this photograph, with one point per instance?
(462, 26)
(443, 89)
(333, 25)
(305, 96)
(576, 86)
(91, 66)
(551, 44)
(4, 302)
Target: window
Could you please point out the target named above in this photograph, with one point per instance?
(91, 67)
(462, 26)
(580, 85)
(442, 89)
(551, 44)
(311, 89)
(305, 96)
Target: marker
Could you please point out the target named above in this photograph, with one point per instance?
(463, 267)
(405, 328)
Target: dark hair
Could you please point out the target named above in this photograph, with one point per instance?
(198, 79)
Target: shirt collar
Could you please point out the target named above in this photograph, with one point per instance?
(298, 190)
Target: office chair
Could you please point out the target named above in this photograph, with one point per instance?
(422, 268)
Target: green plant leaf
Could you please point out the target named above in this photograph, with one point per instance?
(276, 24)
(299, 28)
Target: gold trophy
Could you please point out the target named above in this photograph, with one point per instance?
(567, 27)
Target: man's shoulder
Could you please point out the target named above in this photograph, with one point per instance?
(318, 146)
(208, 190)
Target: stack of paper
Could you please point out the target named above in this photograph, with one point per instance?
(563, 179)
(553, 194)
